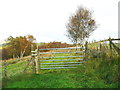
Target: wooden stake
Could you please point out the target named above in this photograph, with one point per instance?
(110, 47)
(5, 69)
(37, 62)
(86, 50)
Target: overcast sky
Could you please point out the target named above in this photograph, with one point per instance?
(46, 19)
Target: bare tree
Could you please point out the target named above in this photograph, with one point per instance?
(80, 25)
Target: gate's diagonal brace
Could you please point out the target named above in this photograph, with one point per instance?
(116, 48)
(27, 64)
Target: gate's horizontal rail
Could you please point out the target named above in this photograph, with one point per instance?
(62, 63)
(61, 60)
(58, 68)
(33, 51)
(61, 52)
(63, 56)
(60, 48)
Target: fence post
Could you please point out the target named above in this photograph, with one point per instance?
(86, 50)
(33, 63)
(100, 50)
(5, 69)
(100, 47)
(110, 47)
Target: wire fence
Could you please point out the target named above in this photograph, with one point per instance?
(14, 67)
(107, 47)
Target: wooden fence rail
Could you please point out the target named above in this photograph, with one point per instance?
(102, 48)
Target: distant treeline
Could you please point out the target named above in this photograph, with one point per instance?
(18, 47)
(21, 46)
(53, 45)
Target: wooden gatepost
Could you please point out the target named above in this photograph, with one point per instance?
(5, 69)
(37, 62)
(86, 50)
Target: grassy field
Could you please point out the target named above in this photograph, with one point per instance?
(97, 72)
(88, 75)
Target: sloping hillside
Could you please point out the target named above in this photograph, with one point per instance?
(95, 73)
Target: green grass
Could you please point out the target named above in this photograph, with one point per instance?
(96, 73)
(15, 68)
(50, 80)
(100, 72)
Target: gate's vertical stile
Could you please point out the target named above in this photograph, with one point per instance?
(39, 60)
(52, 54)
(68, 55)
(76, 49)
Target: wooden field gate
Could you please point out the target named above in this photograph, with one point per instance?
(57, 58)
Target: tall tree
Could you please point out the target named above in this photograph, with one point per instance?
(29, 39)
(80, 25)
(20, 46)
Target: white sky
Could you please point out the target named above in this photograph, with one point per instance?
(46, 19)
